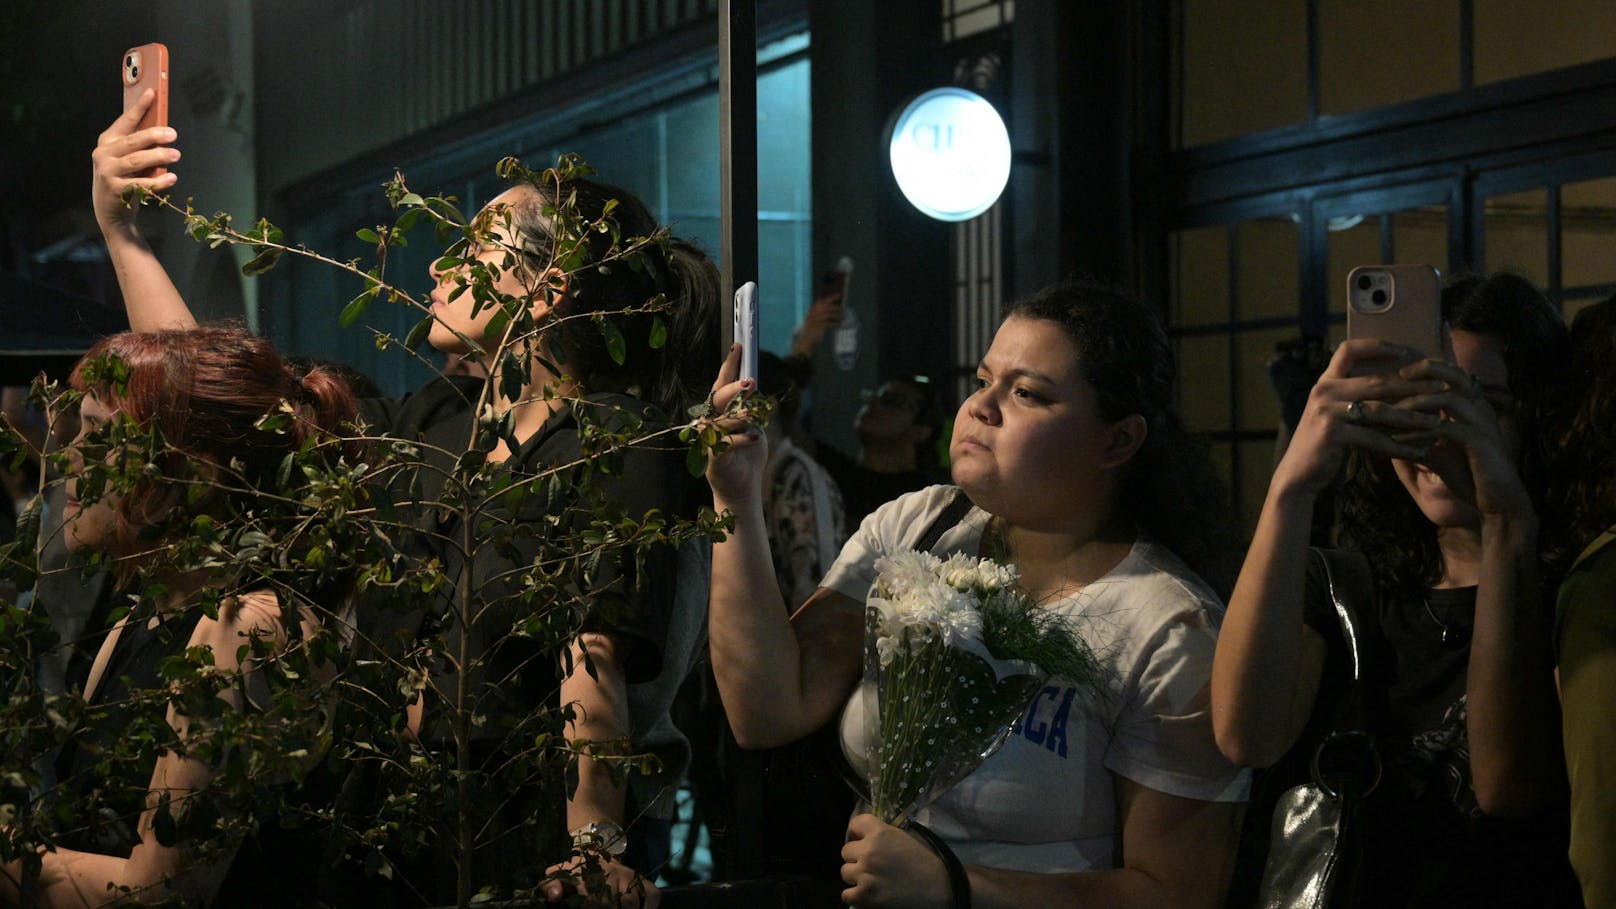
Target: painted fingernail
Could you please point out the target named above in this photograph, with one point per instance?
(748, 383)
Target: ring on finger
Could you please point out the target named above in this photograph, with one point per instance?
(1354, 412)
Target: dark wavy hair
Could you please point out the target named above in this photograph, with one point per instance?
(1377, 516)
(204, 392)
(1170, 490)
(672, 376)
(1582, 438)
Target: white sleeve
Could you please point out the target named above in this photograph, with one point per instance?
(1163, 736)
(893, 527)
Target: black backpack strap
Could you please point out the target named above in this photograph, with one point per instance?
(952, 514)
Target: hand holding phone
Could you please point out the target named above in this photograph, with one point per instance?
(1397, 304)
(746, 328)
(146, 67)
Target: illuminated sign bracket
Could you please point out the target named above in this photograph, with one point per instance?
(950, 154)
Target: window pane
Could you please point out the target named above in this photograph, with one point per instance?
(1244, 67)
(1259, 408)
(1517, 237)
(1269, 268)
(1420, 237)
(1517, 39)
(1588, 233)
(1376, 52)
(1203, 382)
(1200, 271)
(1349, 248)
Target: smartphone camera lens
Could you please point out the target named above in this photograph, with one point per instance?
(1365, 282)
(1379, 297)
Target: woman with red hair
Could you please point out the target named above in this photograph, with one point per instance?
(181, 430)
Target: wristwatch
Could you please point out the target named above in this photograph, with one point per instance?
(601, 836)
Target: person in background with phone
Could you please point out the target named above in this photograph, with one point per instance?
(630, 650)
(1440, 503)
(897, 427)
(1583, 550)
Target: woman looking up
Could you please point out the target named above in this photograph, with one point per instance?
(1071, 458)
(574, 380)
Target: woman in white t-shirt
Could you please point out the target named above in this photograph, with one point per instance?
(1073, 461)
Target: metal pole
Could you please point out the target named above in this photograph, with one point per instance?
(737, 151)
(737, 835)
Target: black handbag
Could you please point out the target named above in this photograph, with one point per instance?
(1315, 846)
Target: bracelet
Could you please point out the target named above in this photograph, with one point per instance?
(958, 882)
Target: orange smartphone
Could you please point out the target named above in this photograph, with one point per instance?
(1400, 304)
(146, 67)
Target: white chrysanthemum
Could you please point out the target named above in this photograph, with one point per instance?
(902, 572)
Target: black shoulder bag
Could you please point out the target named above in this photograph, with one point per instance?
(1315, 849)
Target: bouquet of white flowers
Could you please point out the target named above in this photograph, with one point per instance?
(954, 653)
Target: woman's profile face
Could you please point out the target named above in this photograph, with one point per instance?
(455, 315)
(1483, 357)
(1029, 444)
(91, 525)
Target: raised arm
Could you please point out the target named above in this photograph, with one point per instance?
(1266, 672)
(780, 678)
(122, 156)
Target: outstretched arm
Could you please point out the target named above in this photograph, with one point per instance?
(779, 678)
(1266, 672)
(122, 155)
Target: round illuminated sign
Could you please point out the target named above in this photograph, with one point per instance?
(950, 153)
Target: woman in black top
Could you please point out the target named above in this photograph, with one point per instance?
(576, 377)
(1439, 510)
(140, 818)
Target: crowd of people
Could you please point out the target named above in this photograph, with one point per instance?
(1475, 507)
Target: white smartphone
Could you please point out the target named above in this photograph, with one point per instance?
(746, 328)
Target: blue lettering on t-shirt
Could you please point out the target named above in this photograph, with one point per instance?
(1048, 730)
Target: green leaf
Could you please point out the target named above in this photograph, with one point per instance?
(368, 235)
(512, 377)
(355, 309)
(164, 829)
(616, 346)
(412, 341)
(659, 333)
(264, 261)
(696, 460)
